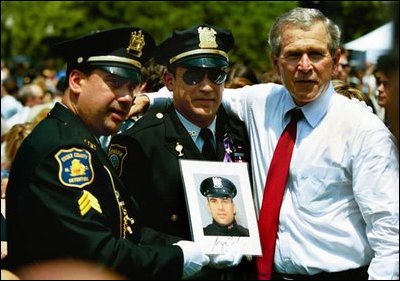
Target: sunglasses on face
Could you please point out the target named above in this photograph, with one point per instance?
(195, 76)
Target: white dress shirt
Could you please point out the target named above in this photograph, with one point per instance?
(341, 205)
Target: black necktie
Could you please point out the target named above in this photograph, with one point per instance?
(208, 148)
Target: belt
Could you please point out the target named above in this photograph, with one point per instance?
(355, 274)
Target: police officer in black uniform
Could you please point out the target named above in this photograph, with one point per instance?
(147, 155)
(220, 193)
(64, 198)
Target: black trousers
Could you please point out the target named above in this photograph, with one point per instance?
(351, 274)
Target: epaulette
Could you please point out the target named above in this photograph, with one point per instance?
(148, 120)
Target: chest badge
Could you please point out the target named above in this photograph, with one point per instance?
(117, 154)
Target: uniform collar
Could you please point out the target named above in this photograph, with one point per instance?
(193, 129)
(226, 227)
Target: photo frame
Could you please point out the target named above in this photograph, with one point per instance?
(201, 179)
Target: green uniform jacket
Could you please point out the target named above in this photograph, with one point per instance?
(146, 156)
(65, 200)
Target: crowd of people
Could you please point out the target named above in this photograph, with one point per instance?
(90, 156)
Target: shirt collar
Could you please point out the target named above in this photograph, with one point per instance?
(313, 111)
(193, 129)
(316, 110)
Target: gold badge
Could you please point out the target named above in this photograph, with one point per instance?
(207, 37)
(136, 43)
(75, 167)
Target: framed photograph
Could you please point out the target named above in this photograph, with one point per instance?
(221, 206)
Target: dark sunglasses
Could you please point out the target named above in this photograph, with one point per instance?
(195, 76)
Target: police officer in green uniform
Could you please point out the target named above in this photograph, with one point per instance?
(64, 198)
(220, 193)
(147, 155)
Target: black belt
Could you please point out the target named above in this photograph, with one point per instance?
(355, 274)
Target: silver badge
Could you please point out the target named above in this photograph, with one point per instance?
(207, 37)
(179, 149)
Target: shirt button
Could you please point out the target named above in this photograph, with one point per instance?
(174, 217)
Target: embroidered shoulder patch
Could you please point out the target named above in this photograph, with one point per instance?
(75, 167)
(117, 154)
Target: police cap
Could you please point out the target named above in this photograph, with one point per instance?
(217, 187)
(120, 51)
(199, 46)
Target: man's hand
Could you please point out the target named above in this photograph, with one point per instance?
(4, 251)
(231, 258)
(139, 106)
(193, 258)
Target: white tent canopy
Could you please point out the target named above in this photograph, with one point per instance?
(374, 43)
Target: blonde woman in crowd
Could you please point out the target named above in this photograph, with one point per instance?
(346, 90)
(12, 142)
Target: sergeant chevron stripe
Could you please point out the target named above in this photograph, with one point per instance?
(88, 201)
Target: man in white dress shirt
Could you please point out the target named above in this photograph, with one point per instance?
(340, 208)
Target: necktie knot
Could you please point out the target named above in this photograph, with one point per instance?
(208, 148)
(296, 114)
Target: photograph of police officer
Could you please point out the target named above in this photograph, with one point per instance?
(220, 192)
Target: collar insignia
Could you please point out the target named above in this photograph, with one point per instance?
(90, 144)
(192, 133)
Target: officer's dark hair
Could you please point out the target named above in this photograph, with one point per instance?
(172, 68)
(86, 69)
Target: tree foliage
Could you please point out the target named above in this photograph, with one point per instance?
(30, 28)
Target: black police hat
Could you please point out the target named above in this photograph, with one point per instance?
(199, 46)
(218, 187)
(120, 51)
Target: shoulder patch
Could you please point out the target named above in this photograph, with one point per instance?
(117, 154)
(75, 167)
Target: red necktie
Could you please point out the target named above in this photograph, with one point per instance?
(273, 195)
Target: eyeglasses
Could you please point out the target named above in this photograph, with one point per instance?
(195, 76)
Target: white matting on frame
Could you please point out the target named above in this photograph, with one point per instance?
(193, 173)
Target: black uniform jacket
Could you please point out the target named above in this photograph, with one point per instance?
(233, 229)
(65, 200)
(146, 156)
